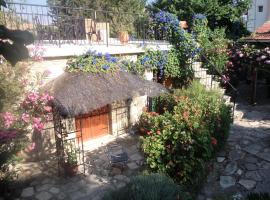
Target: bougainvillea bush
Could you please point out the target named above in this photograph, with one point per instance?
(244, 58)
(180, 141)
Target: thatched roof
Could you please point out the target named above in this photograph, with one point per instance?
(80, 93)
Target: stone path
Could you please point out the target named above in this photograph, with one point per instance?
(244, 165)
(44, 184)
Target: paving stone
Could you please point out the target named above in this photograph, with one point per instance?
(251, 160)
(54, 190)
(235, 155)
(226, 181)
(77, 195)
(253, 149)
(230, 168)
(116, 171)
(43, 187)
(250, 166)
(264, 156)
(43, 195)
(47, 180)
(132, 166)
(253, 175)
(27, 192)
(248, 184)
(121, 177)
(220, 159)
(70, 187)
(136, 156)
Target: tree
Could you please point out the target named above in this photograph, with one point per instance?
(219, 13)
(121, 14)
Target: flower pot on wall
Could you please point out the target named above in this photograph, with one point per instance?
(124, 37)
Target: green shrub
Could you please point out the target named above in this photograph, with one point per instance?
(148, 187)
(181, 140)
(258, 196)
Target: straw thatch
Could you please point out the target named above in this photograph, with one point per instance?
(80, 93)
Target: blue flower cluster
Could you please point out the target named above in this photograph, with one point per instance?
(166, 18)
(199, 16)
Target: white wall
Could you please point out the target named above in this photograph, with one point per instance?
(255, 18)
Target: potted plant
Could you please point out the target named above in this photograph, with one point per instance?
(71, 162)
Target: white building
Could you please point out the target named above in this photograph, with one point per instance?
(258, 14)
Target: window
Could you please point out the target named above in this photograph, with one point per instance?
(260, 8)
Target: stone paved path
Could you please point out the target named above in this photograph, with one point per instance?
(44, 184)
(244, 165)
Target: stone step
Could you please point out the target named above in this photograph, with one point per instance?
(200, 74)
(196, 66)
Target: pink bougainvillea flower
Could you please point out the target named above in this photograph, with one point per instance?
(33, 96)
(46, 97)
(9, 119)
(214, 141)
(48, 109)
(149, 132)
(37, 124)
(26, 117)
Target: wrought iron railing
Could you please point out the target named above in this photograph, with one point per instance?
(59, 24)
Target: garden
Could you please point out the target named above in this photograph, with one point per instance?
(183, 130)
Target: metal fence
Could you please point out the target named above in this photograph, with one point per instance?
(58, 24)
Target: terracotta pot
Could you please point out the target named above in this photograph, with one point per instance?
(70, 170)
(168, 82)
(124, 37)
(183, 24)
(142, 131)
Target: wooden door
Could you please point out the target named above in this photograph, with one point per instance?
(94, 124)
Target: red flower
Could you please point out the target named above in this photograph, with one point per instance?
(214, 141)
(149, 132)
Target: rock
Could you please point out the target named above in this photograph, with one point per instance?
(220, 159)
(132, 166)
(248, 184)
(226, 181)
(54, 190)
(230, 168)
(239, 172)
(253, 175)
(43, 196)
(27, 192)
